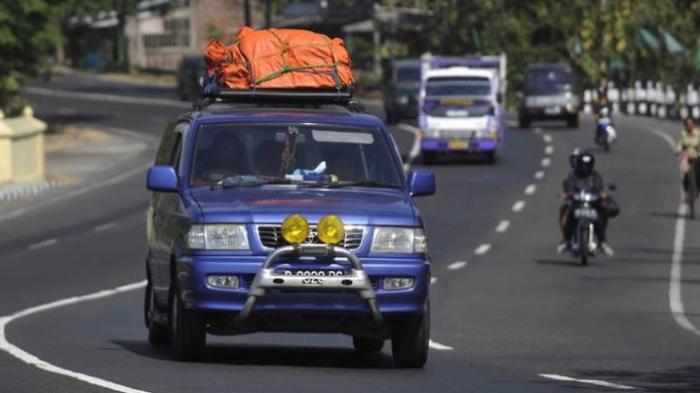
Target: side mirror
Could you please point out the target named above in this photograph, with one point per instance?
(421, 183)
(162, 178)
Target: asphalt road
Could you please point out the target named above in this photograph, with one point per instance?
(506, 307)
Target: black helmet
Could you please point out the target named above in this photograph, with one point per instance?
(584, 164)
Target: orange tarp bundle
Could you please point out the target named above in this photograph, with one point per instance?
(280, 59)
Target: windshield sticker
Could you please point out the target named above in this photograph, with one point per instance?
(361, 138)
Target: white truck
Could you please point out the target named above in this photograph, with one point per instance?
(461, 106)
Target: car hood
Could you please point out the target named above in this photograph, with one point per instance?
(271, 204)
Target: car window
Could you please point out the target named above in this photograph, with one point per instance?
(353, 154)
(549, 80)
(458, 86)
(408, 74)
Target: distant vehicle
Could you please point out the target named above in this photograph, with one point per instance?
(550, 94)
(461, 105)
(189, 74)
(605, 133)
(281, 212)
(401, 91)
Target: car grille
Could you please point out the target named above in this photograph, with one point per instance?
(271, 236)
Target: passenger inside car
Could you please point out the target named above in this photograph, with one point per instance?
(224, 157)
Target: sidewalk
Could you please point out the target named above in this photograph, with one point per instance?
(74, 155)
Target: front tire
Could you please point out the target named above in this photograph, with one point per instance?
(409, 344)
(158, 335)
(523, 122)
(428, 157)
(366, 345)
(583, 241)
(572, 122)
(187, 331)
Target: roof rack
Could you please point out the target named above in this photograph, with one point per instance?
(274, 96)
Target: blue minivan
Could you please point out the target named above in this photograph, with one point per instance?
(279, 212)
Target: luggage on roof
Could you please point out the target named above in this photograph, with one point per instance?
(280, 59)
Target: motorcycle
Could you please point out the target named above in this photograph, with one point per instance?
(605, 132)
(584, 242)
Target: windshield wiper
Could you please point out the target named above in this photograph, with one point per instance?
(249, 181)
(360, 183)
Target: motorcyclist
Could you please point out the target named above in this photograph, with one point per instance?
(583, 176)
(689, 144)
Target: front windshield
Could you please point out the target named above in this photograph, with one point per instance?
(408, 74)
(458, 86)
(549, 81)
(264, 153)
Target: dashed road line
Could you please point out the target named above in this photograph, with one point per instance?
(546, 162)
(42, 244)
(482, 249)
(537, 130)
(433, 280)
(518, 206)
(595, 382)
(440, 347)
(415, 149)
(539, 175)
(549, 150)
(529, 190)
(547, 138)
(502, 226)
(104, 227)
(30, 359)
(456, 265)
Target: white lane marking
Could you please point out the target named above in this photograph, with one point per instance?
(440, 347)
(547, 138)
(433, 280)
(537, 130)
(518, 206)
(549, 150)
(529, 190)
(546, 162)
(415, 148)
(595, 382)
(456, 265)
(107, 97)
(675, 293)
(539, 175)
(69, 195)
(42, 244)
(482, 249)
(502, 226)
(104, 227)
(46, 366)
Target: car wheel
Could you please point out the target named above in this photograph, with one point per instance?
(523, 122)
(187, 332)
(158, 334)
(491, 157)
(428, 157)
(572, 122)
(364, 344)
(409, 344)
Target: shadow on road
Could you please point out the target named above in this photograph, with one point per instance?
(273, 355)
(563, 262)
(673, 215)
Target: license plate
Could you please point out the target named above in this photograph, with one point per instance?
(552, 110)
(586, 213)
(458, 144)
(457, 113)
(313, 273)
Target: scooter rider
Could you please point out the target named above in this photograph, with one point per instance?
(583, 176)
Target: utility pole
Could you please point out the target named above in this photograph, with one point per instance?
(246, 12)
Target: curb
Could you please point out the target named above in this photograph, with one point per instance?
(21, 191)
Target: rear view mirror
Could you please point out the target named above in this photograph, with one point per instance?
(162, 178)
(421, 183)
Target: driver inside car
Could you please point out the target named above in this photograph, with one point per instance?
(225, 157)
(583, 176)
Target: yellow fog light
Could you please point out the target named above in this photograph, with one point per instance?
(295, 229)
(331, 229)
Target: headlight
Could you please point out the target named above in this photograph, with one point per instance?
(330, 229)
(399, 240)
(218, 237)
(295, 229)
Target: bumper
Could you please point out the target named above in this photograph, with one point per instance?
(192, 272)
(473, 145)
(549, 112)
